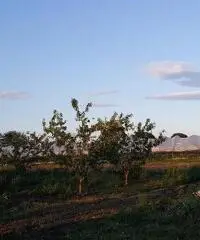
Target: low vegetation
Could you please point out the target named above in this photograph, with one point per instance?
(101, 181)
(43, 205)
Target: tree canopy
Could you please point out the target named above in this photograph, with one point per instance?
(118, 140)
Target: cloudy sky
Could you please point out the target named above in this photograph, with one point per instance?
(132, 56)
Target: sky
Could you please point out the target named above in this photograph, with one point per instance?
(139, 57)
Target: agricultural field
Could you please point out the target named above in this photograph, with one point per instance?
(100, 181)
(159, 204)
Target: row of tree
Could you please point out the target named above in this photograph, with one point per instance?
(117, 140)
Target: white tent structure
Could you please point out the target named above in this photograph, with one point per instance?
(178, 144)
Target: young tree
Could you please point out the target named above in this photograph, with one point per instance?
(136, 146)
(61, 140)
(124, 144)
(74, 150)
(40, 146)
(19, 148)
(15, 148)
(84, 143)
(114, 140)
(109, 141)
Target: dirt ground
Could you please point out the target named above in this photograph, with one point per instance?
(63, 215)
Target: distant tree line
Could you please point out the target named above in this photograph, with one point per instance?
(117, 140)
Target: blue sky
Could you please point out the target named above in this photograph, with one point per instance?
(53, 50)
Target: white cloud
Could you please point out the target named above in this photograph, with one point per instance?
(165, 68)
(13, 95)
(182, 73)
(195, 95)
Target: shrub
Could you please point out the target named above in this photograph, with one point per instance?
(105, 181)
(54, 182)
(174, 176)
(53, 189)
(137, 171)
(193, 174)
(154, 173)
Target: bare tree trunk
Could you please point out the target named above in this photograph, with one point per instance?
(126, 173)
(80, 185)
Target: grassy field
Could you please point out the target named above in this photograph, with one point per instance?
(173, 163)
(42, 204)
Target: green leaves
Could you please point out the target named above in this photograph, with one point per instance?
(60, 140)
(14, 147)
(117, 139)
(56, 127)
(124, 143)
(21, 148)
(83, 143)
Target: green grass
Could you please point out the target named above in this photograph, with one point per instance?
(145, 223)
(42, 204)
(179, 220)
